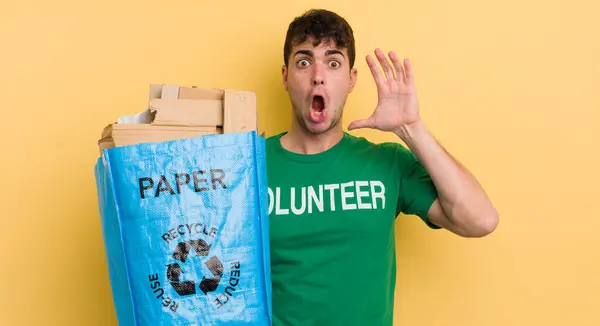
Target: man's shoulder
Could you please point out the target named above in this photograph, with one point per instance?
(275, 137)
(273, 142)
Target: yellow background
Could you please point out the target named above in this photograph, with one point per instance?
(510, 88)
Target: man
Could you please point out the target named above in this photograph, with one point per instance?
(334, 197)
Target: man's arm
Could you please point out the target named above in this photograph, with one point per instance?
(462, 207)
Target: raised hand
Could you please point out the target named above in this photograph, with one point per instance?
(397, 105)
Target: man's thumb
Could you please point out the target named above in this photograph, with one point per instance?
(364, 123)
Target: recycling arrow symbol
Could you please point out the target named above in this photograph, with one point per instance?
(181, 253)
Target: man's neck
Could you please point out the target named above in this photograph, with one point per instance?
(298, 140)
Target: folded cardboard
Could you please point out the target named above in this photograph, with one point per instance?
(116, 135)
(173, 92)
(176, 112)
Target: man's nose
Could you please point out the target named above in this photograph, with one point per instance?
(318, 76)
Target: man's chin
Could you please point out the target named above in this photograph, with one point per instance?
(318, 128)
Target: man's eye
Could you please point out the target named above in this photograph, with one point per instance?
(334, 64)
(303, 63)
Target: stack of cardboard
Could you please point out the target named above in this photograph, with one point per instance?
(176, 112)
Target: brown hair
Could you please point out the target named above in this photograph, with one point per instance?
(320, 25)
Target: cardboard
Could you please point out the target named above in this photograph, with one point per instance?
(202, 113)
(115, 135)
(185, 93)
(176, 112)
(239, 112)
(194, 93)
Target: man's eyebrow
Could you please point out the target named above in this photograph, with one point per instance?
(310, 53)
(331, 52)
(307, 52)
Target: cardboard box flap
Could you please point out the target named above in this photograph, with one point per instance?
(184, 93)
(194, 93)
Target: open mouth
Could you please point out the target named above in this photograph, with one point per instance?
(317, 109)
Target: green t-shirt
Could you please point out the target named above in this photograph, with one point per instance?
(332, 229)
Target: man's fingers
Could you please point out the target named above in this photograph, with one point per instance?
(398, 66)
(375, 71)
(410, 77)
(385, 64)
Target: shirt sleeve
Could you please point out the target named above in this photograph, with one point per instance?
(417, 191)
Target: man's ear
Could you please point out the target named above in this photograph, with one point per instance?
(353, 77)
(284, 75)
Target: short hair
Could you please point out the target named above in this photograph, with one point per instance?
(320, 24)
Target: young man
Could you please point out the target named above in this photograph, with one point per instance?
(334, 197)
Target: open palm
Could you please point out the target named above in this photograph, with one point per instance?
(397, 100)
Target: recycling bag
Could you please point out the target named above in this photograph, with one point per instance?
(185, 229)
